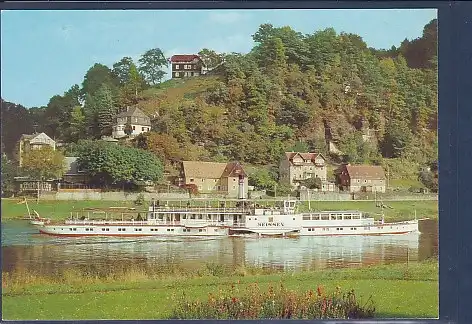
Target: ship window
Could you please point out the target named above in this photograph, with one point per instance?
(108, 229)
(103, 230)
(333, 217)
(123, 229)
(200, 230)
(324, 217)
(216, 230)
(70, 229)
(200, 216)
(306, 217)
(168, 230)
(271, 219)
(172, 230)
(75, 229)
(339, 217)
(184, 216)
(347, 217)
(192, 216)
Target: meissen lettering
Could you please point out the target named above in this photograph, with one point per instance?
(270, 224)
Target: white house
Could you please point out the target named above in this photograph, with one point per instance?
(139, 122)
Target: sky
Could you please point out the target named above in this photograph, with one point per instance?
(44, 53)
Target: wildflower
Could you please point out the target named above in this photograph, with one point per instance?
(320, 290)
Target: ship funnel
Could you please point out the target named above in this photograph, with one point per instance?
(241, 194)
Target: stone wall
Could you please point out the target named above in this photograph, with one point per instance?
(324, 195)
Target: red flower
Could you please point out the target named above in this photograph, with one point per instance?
(320, 290)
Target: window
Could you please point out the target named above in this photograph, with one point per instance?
(191, 73)
(142, 129)
(191, 180)
(134, 128)
(177, 67)
(306, 217)
(203, 180)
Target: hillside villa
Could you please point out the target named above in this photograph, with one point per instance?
(187, 66)
(228, 179)
(361, 178)
(296, 167)
(139, 121)
(29, 142)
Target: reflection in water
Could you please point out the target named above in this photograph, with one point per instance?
(24, 249)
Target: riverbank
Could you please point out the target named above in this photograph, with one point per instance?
(398, 290)
(57, 210)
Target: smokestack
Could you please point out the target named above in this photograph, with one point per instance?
(241, 187)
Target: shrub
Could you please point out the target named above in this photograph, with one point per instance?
(139, 200)
(275, 303)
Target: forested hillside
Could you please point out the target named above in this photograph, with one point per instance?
(292, 91)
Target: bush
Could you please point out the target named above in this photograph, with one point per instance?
(139, 200)
(276, 303)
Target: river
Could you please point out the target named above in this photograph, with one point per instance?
(23, 248)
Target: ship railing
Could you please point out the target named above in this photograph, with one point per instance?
(197, 210)
(105, 222)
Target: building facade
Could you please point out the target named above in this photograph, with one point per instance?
(139, 122)
(187, 66)
(361, 178)
(29, 142)
(296, 167)
(228, 179)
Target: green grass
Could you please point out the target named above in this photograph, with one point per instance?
(405, 183)
(398, 290)
(401, 210)
(56, 209)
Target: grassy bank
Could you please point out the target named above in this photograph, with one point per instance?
(397, 290)
(60, 209)
(400, 210)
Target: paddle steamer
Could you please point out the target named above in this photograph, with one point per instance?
(245, 219)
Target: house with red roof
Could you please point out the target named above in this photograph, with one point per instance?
(361, 178)
(227, 179)
(295, 167)
(187, 66)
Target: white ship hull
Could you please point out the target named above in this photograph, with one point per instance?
(376, 229)
(130, 230)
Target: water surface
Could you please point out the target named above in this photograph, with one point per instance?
(24, 248)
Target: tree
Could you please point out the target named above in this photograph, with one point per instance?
(16, 120)
(96, 76)
(77, 124)
(162, 145)
(130, 90)
(110, 164)
(121, 70)
(128, 129)
(8, 174)
(105, 110)
(210, 58)
(262, 179)
(151, 65)
(313, 183)
(429, 180)
(43, 164)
